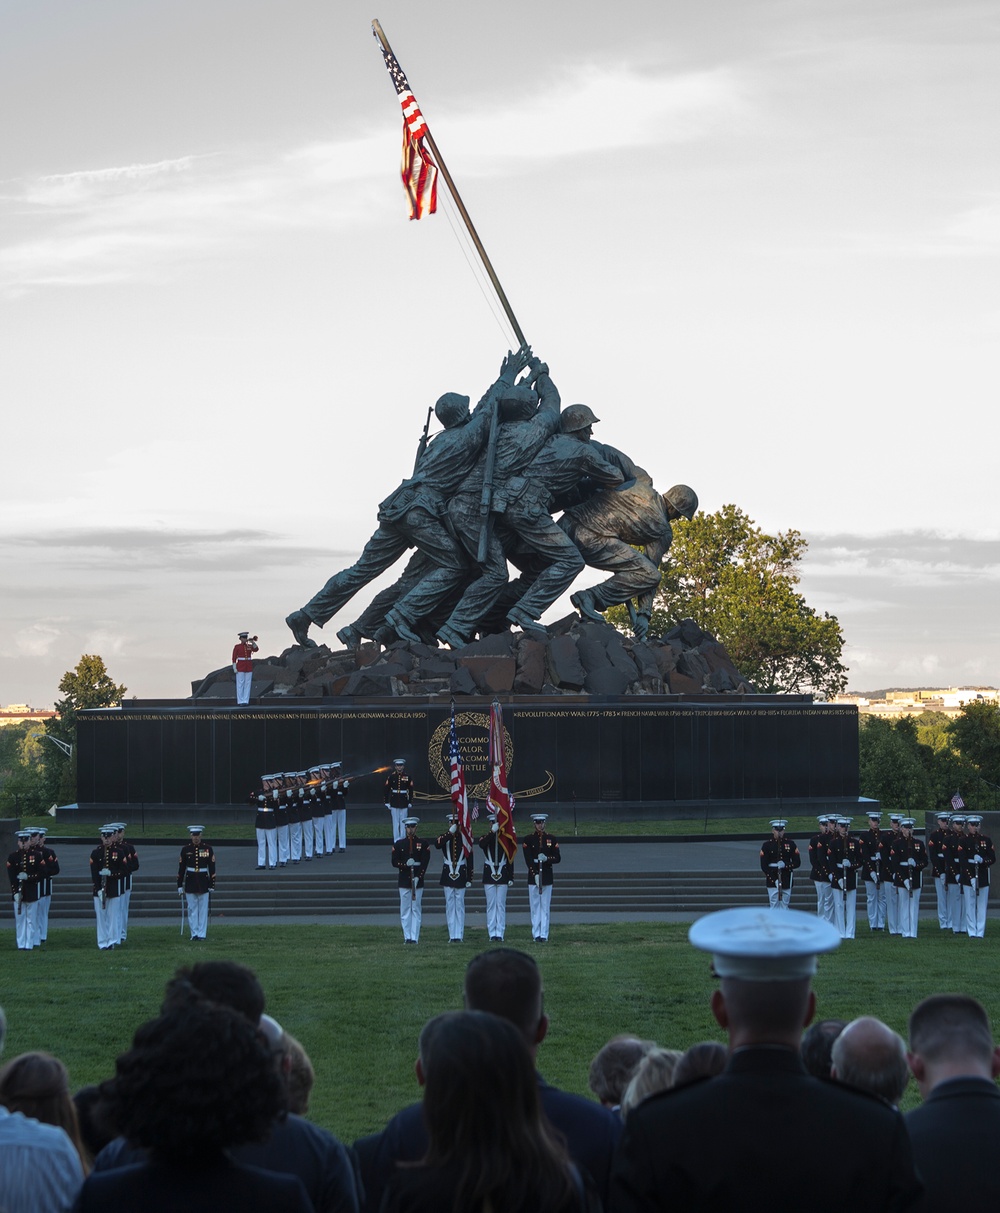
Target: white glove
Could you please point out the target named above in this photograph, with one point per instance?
(453, 828)
(24, 875)
(235, 671)
(468, 884)
(845, 863)
(335, 785)
(180, 891)
(940, 855)
(411, 863)
(977, 859)
(104, 872)
(495, 827)
(772, 865)
(347, 784)
(543, 858)
(780, 864)
(388, 806)
(911, 863)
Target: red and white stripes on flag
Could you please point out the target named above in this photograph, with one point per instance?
(417, 170)
(957, 802)
(459, 793)
(501, 800)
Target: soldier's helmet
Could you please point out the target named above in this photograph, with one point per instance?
(452, 409)
(577, 417)
(683, 499)
(518, 403)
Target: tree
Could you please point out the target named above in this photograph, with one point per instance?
(723, 572)
(88, 686)
(976, 734)
(890, 768)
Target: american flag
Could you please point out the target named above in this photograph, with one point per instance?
(418, 170)
(957, 802)
(459, 793)
(501, 800)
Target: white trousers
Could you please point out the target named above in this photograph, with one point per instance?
(409, 912)
(295, 838)
(243, 680)
(398, 817)
(975, 911)
(496, 910)
(109, 931)
(956, 908)
(319, 836)
(337, 831)
(824, 900)
(284, 843)
(267, 848)
(844, 914)
(942, 902)
(778, 898)
(539, 904)
(877, 904)
(26, 926)
(892, 915)
(907, 912)
(308, 838)
(43, 917)
(454, 912)
(123, 903)
(197, 908)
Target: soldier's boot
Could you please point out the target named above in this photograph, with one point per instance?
(299, 622)
(586, 604)
(401, 627)
(530, 627)
(350, 637)
(451, 638)
(384, 636)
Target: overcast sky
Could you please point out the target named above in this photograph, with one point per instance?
(759, 238)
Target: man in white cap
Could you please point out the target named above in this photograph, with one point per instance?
(337, 790)
(907, 859)
(456, 877)
(978, 856)
(779, 857)
(818, 845)
(50, 868)
(764, 1101)
(266, 822)
(498, 876)
(24, 874)
(541, 853)
(398, 797)
(196, 880)
(937, 842)
(953, 874)
(410, 857)
(107, 872)
(243, 652)
(874, 853)
(843, 862)
(891, 905)
(130, 864)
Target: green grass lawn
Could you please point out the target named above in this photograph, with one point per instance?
(357, 998)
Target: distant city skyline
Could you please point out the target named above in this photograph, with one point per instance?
(759, 239)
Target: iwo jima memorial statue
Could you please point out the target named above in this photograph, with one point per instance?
(597, 721)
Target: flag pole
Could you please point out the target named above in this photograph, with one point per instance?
(466, 218)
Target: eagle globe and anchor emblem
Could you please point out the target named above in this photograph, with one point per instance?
(474, 742)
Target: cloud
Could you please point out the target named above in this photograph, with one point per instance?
(140, 221)
(36, 640)
(908, 559)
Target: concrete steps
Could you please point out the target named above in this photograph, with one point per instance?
(294, 892)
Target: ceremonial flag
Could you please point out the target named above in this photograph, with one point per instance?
(957, 802)
(501, 800)
(418, 170)
(459, 795)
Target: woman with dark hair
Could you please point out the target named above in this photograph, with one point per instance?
(490, 1150)
(37, 1085)
(196, 1081)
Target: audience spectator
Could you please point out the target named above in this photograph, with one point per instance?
(614, 1065)
(301, 1075)
(37, 1085)
(957, 1127)
(817, 1045)
(95, 1132)
(197, 1080)
(40, 1169)
(654, 1073)
(703, 1060)
(498, 1153)
(702, 1146)
(292, 1145)
(868, 1054)
(507, 983)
